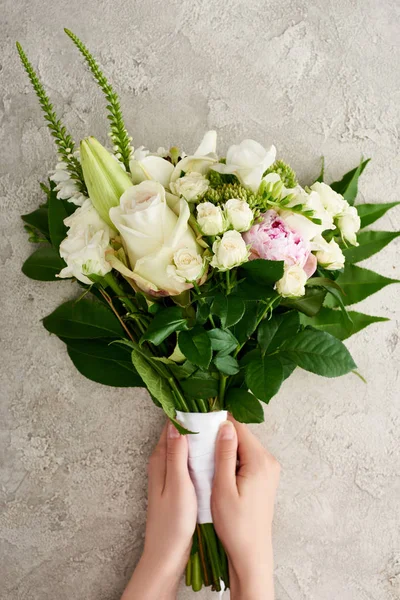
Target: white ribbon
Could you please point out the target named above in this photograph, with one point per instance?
(201, 458)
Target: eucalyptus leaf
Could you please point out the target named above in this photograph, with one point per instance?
(43, 265)
(369, 242)
(243, 406)
(264, 377)
(369, 213)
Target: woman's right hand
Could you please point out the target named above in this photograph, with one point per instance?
(242, 506)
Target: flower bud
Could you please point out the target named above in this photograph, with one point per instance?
(105, 179)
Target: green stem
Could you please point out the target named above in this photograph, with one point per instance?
(202, 405)
(222, 387)
(197, 583)
(114, 285)
(179, 394)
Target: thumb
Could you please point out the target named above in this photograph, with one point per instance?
(177, 457)
(226, 456)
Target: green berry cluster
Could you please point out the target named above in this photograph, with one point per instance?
(286, 173)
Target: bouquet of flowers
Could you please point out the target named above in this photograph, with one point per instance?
(205, 279)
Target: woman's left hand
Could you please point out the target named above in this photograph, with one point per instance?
(171, 521)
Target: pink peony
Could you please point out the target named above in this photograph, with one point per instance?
(272, 239)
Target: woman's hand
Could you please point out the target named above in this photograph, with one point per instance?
(242, 506)
(171, 521)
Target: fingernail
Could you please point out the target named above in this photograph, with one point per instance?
(173, 433)
(226, 431)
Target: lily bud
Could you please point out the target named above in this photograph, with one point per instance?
(105, 179)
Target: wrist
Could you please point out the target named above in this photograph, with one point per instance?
(152, 579)
(254, 579)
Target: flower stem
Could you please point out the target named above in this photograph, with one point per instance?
(114, 285)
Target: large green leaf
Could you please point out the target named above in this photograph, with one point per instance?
(39, 219)
(227, 365)
(200, 385)
(310, 303)
(357, 284)
(104, 363)
(333, 322)
(264, 271)
(229, 309)
(247, 324)
(348, 185)
(288, 365)
(164, 323)
(369, 213)
(195, 344)
(43, 265)
(57, 214)
(83, 319)
(320, 353)
(369, 242)
(273, 332)
(264, 377)
(222, 341)
(243, 406)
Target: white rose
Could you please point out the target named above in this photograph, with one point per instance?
(190, 186)
(292, 284)
(301, 224)
(201, 160)
(84, 251)
(210, 218)
(238, 214)
(188, 265)
(152, 233)
(349, 223)
(229, 251)
(248, 161)
(144, 165)
(328, 254)
(333, 202)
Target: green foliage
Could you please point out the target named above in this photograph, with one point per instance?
(357, 284)
(321, 175)
(264, 377)
(369, 213)
(229, 309)
(164, 323)
(273, 332)
(320, 353)
(262, 271)
(44, 264)
(247, 324)
(286, 173)
(369, 243)
(200, 385)
(63, 140)
(309, 304)
(334, 322)
(38, 220)
(119, 134)
(226, 364)
(56, 215)
(223, 342)
(86, 318)
(222, 192)
(348, 185)
(243, 406)
(195, 344)
(104, 363)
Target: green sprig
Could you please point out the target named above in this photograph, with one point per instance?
(226, 191)
(65, 143)
(119, 134)
(286, 173)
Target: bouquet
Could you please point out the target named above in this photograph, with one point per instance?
(205, 279)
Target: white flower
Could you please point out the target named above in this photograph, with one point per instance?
(333, 202)
(190, 186)
(349, 223)
(292, 284)
(67, 188)
(301, 224)
(84, 251)
(238, 214)
(152, 233)
(328, 254)
(145, 166)
(201, 160)
(188, 265)
(248, 161)
(210, 218)
(229, 251)
(85, 216)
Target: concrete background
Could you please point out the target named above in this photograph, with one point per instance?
(312, 76)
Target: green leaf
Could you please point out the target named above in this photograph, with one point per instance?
(369, 242)
(332, 321)
(247, 324)
(227, 364)
(164, 323)
(39, 219)
(243, 406)
(264, 377)
(320, 178)
(202, 313)
(43, 265)
(57, 214)
(82, 319)
(181, 371)
(251, 291)
(357, 284)
(309, 304)
(369, 213)
(348, 185)
(222, 341)
(229, 309)
(288, 365)
(100, 362)
(333, 288)
(320, 353)
(200, 385)
(196, 346)
(264, 271)
(272, 333)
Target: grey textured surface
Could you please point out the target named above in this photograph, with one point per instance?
(314, 77)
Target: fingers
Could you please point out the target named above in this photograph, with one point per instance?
(157, 464)
(176, 458)
(226, 457)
